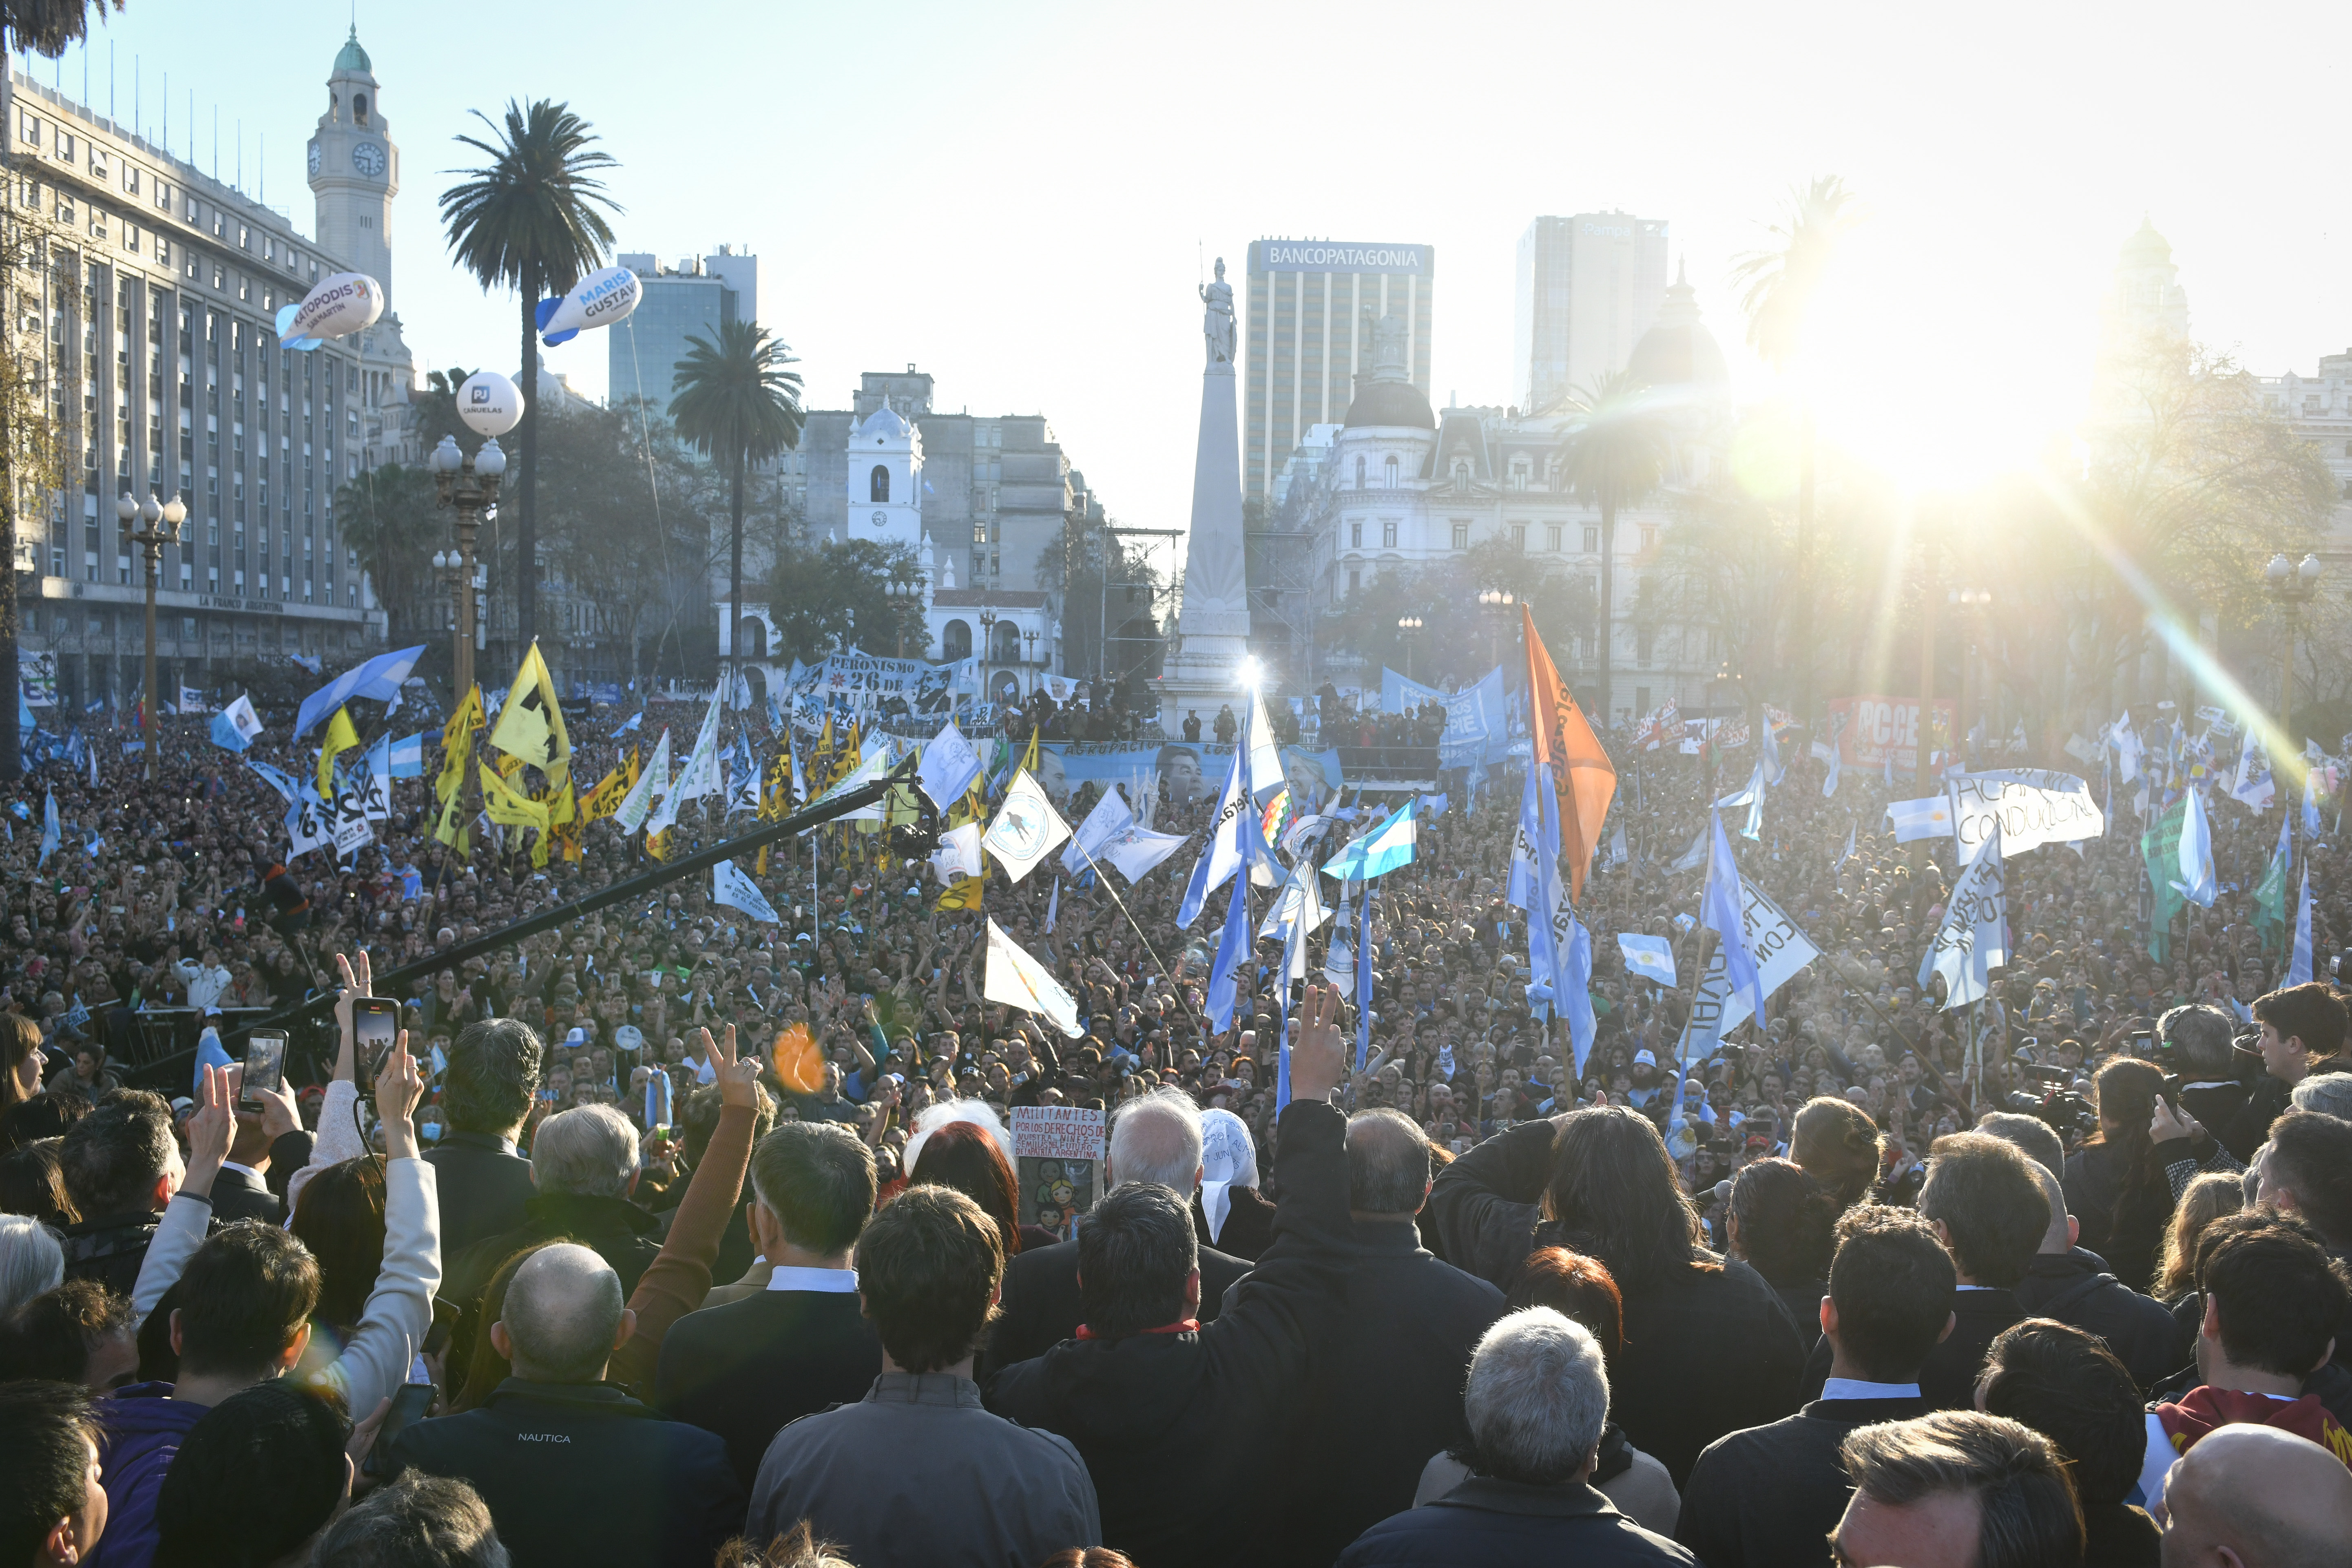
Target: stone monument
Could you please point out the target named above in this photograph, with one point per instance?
(1202, 671)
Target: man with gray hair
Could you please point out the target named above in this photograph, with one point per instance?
(1364, 1440)
(418, 1521)
(2068, 1283)
(1154, 1138)
(572, 1469)
(1537, 1401)
(583, 1166)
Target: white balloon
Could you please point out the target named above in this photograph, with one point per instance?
(489, 403)
(342, 303)
(603, 297)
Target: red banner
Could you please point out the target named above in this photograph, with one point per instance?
(1869, 729)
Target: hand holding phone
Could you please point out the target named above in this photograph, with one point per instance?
(376, 1027)
(265, 1068)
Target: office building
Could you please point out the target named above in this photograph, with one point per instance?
(1312, 303)
(154, 330)
(690, 299)
(1588, 286)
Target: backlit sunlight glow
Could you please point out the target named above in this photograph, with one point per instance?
(1940, 361)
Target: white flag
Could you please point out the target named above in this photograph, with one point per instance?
(1650, 957)
(2254, 787)
(1018, 980)
(1026, 828)
(949, 766)
(241, 714)
(1974, 938)
(733, 887)
(1138, 851)
(700, 775)
(1109, 819)
(652, 784)
(958, 855)
(2032, 805)
(1054, 906)
(190, 699)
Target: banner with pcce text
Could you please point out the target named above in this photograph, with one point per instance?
(1877, 726)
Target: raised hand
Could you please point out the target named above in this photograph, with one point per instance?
(211, 1129)
(1318, 1057)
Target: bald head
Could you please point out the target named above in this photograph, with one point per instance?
(2256, 1496)
(1387, 1164)
(563, 1316)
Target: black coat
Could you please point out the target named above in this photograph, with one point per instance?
(1804, 1304)
(1949, 1380)
(484, 1186)
(745, 1369)
(1384, 1391)
(1708, 1351)
(2139, 1330)
(2123, 1212)
(1769, 1497)
(237, 1196)
(576, 1473)
(1503, 1524)
(1249, 1225)
(616, 1229)
(1180, 1430)
(1040, 1305)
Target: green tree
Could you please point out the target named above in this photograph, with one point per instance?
(1780, 283)
(738, 405)
(1615, 457)
(1457, 639)
(390, 516)
(830, 596)
(34, 444)
(47, 28)
(531, 220)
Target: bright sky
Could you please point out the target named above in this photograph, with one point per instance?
(1019, 198)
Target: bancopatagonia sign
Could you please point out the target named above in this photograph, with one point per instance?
(1336, 255)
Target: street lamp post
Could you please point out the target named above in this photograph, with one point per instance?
(150, 541)
(2293, 586)
(1032, 636)
(1709, 746)
(987, 651)
(1499, 604)
(1971, 603)
(903, 596)
(469, 486)
(1410, 627)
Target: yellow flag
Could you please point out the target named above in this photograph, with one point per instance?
(562, 809)
(340, 737)
(508, 808)
(964, 892)
(531, 725)
(610, 790)
(1029, 758)
(657, 844)
(446, 829)
(458, 745)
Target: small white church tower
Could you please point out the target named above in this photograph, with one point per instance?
(886, 484)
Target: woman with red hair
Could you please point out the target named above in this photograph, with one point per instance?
(964, 1157)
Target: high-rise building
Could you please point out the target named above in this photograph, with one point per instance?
(155, 333)
(1588, 287)
(1312, 303)
(690, 299)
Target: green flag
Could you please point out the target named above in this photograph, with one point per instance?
(2270, 901)
(2159, 848)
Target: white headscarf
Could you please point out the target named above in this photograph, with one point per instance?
(1228, 1160)
(933, 1117)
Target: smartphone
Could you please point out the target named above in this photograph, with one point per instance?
(265, 1068)
(375, 1026)
(408, 1406)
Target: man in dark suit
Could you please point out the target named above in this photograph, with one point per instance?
(1986, 1204)
(1771, 1494)
(1154, 1139)
(748, 1368)
(1363, 1440)
(486, 1094)
(2065, 1283)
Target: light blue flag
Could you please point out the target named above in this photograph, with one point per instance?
(2298, 968)
(731, 887)
(405, 758)
(379, 678)
(1222, 856)
(1845, 854)
(1888, 778)
(376, 764)
(1768, 754)
(2197, 877)
(1232, 957)
(278, 779)
(2311, 804)
(1720, 909)
(1377, 853)
(49, 835)
(1364, 982)
(412, 884)
(1754, 830)
(631, 722)
(1830, 781)
(1526, 844)
(225, 736)
(1575, 992)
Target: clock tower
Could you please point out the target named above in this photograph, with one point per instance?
(356, 170)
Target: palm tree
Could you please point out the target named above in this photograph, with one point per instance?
(530, 221)
(738, 405)
(1617, 456)
(1780, 285)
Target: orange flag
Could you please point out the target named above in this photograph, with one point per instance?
(1583, 775)
(797, 1060)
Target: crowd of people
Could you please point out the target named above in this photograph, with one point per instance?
(583, 1271)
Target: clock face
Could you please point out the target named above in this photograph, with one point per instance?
(368, 158)
(881, 520)
(314, 157)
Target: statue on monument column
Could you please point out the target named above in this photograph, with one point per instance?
(1217, 322)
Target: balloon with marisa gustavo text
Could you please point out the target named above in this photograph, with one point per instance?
(797, 1060)
(603, 297)
(342, 303)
